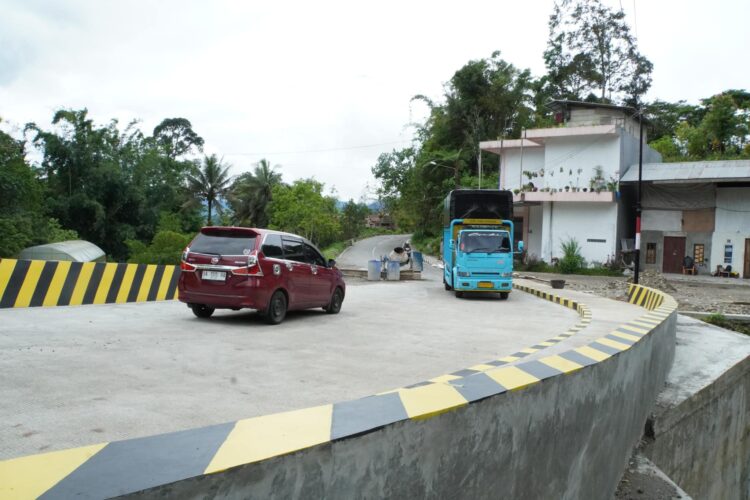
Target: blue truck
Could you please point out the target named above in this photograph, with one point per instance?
(478, 241)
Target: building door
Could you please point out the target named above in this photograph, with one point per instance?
(674, 253)
(746, 273)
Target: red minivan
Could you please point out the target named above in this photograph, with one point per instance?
(271, 271)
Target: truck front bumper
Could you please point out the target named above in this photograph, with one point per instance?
(472, 284)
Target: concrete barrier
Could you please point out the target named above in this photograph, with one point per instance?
(33, 283)
(561, 426)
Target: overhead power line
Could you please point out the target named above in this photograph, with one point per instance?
(329, 150)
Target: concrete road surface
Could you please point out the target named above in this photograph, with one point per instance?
(72, 376)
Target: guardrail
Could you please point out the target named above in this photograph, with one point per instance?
(560, 426)
(34, 283)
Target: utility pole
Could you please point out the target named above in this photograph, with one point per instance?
(479, 165)
(520, 168)
(637, 267)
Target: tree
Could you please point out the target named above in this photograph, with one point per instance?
(303, 209)
(209, 183)
(176, 137)
(251, 194)
(485, 99)
(87, 171)
(591, 49)
(353, 219)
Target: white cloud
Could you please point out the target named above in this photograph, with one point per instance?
(308, 76)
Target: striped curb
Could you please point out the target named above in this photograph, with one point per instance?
(121, 467)
(35, 283)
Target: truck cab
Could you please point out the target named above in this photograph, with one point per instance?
(481, 258)
(477, 244)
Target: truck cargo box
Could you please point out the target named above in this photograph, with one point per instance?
(477, 204)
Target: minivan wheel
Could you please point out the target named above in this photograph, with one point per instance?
(337, 299)
(276, 311)
(202, 310)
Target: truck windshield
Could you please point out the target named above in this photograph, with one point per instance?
(485, 242)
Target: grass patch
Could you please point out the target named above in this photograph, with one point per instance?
(334, 250)
(429, 245)
(718, 319)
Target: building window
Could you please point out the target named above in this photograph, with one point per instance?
(650, 253)
(698, 253)
(728, 253)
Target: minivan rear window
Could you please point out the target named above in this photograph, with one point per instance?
(228, 244)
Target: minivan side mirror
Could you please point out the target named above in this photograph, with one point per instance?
(331, 263)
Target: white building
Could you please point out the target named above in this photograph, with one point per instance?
(578, 181)
(566, 179)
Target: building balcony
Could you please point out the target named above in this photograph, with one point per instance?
(564, 196)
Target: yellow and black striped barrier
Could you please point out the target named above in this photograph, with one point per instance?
(35, 283)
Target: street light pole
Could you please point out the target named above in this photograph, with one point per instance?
(637, 267)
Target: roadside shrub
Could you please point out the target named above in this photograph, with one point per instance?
(534, 264)
(572, 261)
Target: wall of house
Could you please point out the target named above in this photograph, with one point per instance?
(629, 151)
(599, 116)
(593, 225)
(732, 226)
(656, 224)
(661, 220)
(533, 161)
(570, 154)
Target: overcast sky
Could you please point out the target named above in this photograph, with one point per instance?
(320, 88)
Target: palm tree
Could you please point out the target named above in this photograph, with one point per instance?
(252, 192)
(208, 183)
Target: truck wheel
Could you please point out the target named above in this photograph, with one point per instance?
(504, 295)
(276, 311)
(202, 310)
(459, 294)
(446, 285)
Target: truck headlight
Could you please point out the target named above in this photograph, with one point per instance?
(507, 275)
(464, 274)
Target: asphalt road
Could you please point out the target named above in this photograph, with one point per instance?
(73, 376)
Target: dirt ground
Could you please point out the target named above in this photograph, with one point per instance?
(693, 293)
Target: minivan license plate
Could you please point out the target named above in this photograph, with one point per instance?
(214, 275)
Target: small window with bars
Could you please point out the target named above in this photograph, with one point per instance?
(650, 253)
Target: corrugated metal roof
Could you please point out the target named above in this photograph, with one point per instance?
(74, 250)
(698, 171)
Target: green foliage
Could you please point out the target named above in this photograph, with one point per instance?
(251, 193)
(353, 219)
(165, 248)
(334, 250)
(719, 129)
(668, 148)
(208, 182)
(303, 209)
(429, 245)
(572, 261)
(175, 137)
(590, 49)
(534, 264)
(718, 319)
(485, 99)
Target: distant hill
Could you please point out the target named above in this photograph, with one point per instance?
(374, 206)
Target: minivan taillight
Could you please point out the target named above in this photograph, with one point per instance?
(252, 269)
